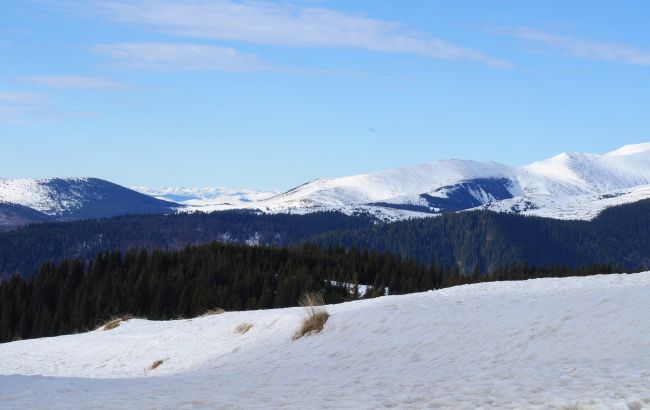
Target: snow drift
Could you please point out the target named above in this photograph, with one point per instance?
(544, 343)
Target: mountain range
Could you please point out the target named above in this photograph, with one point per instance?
(567, 186)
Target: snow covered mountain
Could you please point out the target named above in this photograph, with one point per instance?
(539, 344)
(210, 196)
(567, 186)
(61, 199)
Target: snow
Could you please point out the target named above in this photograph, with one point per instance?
(538, 344)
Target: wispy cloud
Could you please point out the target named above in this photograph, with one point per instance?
(16, 106)
(175, 57)
(585, 49)
(73, 82)
(283, 25)
(22, 98)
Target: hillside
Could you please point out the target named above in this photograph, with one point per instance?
(24, 250)
(545, 343)
(619, 235)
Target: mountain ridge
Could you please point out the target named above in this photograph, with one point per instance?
(567, 186)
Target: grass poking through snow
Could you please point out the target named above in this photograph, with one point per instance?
(213, 311)
(316, 315)
(243, 328)
(115, 322)
(156, 364)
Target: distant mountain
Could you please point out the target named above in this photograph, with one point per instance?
(63, 199)
(567, 186)
(210, 196)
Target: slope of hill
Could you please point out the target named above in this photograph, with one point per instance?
(13, 215)
(544, 343)
(64, 199)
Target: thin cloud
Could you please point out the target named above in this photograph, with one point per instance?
(22, 98)
(283, 25)
(15, 106)
(586, 49)
(73, 82)
(179, 57)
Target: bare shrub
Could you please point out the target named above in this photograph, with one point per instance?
(316, 314)
(243, 328)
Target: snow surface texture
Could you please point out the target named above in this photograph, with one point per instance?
(538, 344)
(567, 186)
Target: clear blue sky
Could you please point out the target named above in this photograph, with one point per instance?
(272, 94)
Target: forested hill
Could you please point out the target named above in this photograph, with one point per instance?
(618, 236)
(24, 250)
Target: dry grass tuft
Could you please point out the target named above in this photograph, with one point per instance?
(213, 311)
(156, 364)
(243, 328)
(316, 315)
(112, 324)
(115, 322)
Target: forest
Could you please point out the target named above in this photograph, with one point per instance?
(75, 296)
(618, 236)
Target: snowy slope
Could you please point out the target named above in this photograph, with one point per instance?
(539, 344)
(78, 198)
(567, 186)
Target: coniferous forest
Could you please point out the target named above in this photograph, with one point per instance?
(73, 296)
(619, 236)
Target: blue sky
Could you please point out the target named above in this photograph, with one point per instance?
(269, 95)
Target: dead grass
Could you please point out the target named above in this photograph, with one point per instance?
(243, 328)
(213, 311)
(156, 364)
(316, 315)
(115, 321)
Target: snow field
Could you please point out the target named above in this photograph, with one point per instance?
(544, 343)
